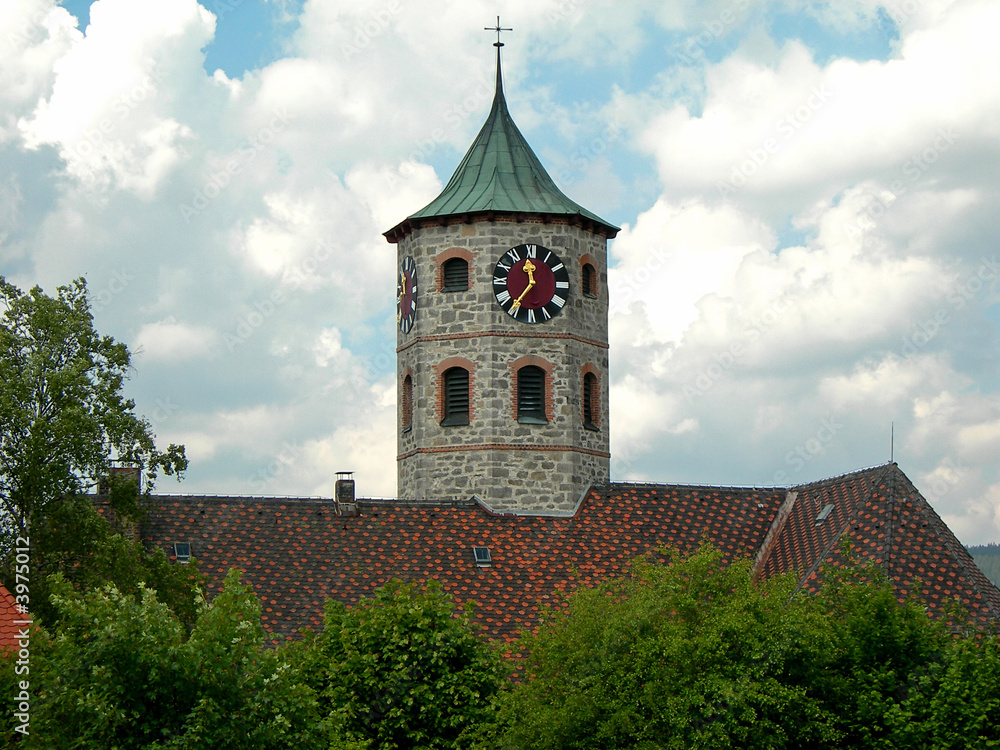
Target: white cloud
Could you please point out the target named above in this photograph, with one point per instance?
(174, 341)
(108, 111)
(229, 224)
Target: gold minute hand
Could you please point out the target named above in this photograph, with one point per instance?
(529, 268)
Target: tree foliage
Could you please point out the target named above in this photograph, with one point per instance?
(697, 655)
(123, 673)
(63, 422)
(63, 417)
(404, 669)
(90, 550)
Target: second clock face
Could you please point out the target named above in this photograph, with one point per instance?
(530, 283)
(406, 294)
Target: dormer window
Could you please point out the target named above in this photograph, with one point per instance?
(182, 552)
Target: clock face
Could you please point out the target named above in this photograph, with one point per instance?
(406, 294)
(530, 283)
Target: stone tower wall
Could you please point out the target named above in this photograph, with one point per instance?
(510, 466)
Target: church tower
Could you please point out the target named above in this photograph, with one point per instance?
(502, 340)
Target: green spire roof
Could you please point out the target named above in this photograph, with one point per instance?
(500, 174)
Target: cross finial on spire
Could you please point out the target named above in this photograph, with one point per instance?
(498, 28)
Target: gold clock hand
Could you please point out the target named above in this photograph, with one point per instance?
(528, 268)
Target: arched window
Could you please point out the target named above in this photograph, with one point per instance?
(407, 403)
(588, 280)
(531, 395)
(455, 396)
(456, 275)
(591, 400)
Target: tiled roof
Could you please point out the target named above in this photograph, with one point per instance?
(500, 174)
(296, 553)
(886, 521)
(8, 614)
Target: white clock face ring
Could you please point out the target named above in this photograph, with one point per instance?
(531, 283)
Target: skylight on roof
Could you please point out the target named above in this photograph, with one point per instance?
(821, 516)
(482, 555)
(182, 551)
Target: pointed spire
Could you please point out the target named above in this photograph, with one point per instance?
(501, 174)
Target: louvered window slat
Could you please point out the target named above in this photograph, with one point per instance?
(589, 281)
(456, 275)
(531, 395)
(407, 403)
(456, 396)
(589, 388)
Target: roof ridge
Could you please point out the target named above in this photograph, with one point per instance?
(841, 477)
(973, 573)
(835, 539)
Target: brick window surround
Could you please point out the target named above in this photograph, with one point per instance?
(591, 421)
(452, 253)
(547, 367)
(589, 276)
(439, 370)
(406, 402)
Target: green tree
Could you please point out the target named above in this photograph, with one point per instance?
(694, 654)
(123, 673)
(63, 422)
(403, 670)
(687, 655)
(867, 652)
(90, 550)
(63, 418)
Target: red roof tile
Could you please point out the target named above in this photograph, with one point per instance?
(303, 553)
(12, 620)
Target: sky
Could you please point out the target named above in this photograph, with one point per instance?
(805, 282)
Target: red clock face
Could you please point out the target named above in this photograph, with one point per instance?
(530, 283)
(406, 294)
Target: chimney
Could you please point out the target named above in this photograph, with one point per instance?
(130, 528)
(121, 473)
(343, 494)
